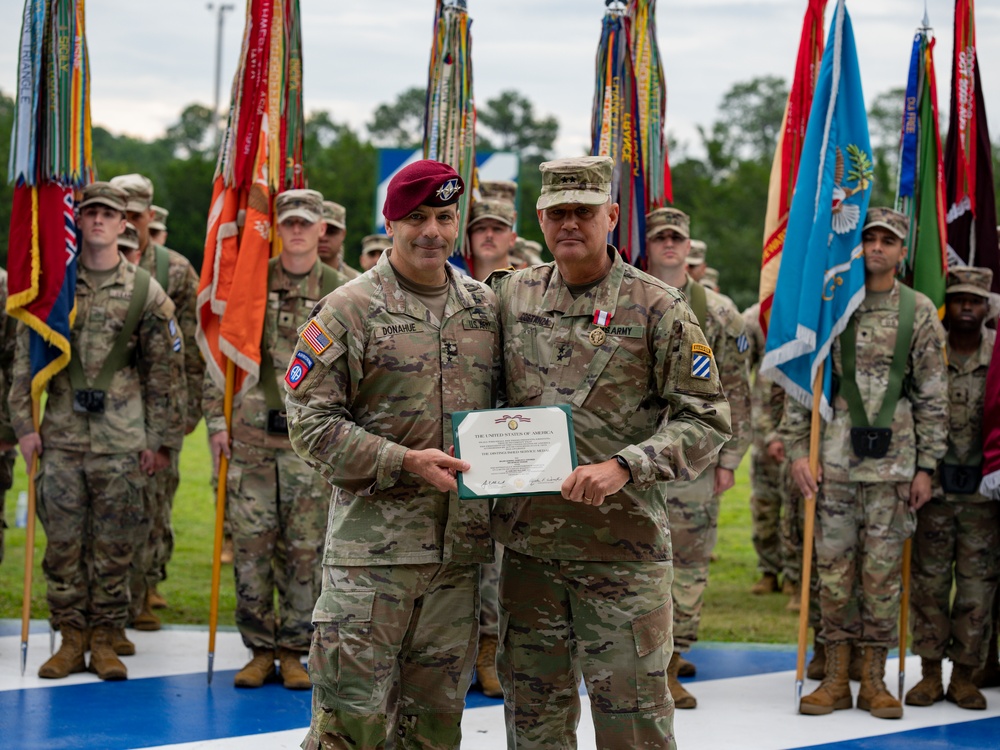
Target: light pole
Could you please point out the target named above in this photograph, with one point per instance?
(222, 8)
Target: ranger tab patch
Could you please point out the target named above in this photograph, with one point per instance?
(299, 368)
(313, 335)
(701, 361)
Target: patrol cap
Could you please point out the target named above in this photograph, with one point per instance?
(139, 190)
(500, 210)
(711, 278)
(894, 221)
(668, 218)
(528, 251)
(585, 179)
(422, 183)
(374, 243)
(129, 239)
(697, 255)
(304, 204)
(504, 190)
(334, 215)
(104, 194)
(159, 222)
(970, 280)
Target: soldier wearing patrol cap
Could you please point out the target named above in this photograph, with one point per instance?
(958, 532)
(696, 260)
(176, 275)
(106, 416)
(878, 456)
(128, 243)
(491, 235)
(158, 226)
(277, 504)
(525, 253)
(710, 279)
(331, 244)
(585, 580)
(381, 368)
(372, 247)
(694, 505)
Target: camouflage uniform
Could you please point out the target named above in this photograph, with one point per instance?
(768, 479)
(863, 514)
(599, 576)
(8, 333)
(276, 504)
(693, 509)
(89, 485)
(960, 532)
(399, 606)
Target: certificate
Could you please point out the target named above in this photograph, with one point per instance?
(528, 450)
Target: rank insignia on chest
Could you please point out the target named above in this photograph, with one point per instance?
(742, 343)
(597, 336)
(701, 362)
(313, 335)
(299, 368)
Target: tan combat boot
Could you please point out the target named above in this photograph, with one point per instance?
(686, 668)
(929, 690)
(293, 674)
(788, 586)
(104, 662)
(834, 692)
(817, 665)
(873, 696)
(486, 667)
(962, 691)
(156, 599)
(69, 658)
(257, 670)
(146, 620)
(768, 584)
(682, 698)
(121, 644)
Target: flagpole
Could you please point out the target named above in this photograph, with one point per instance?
(807, 542)
(220, 517)
(29, 543)
(904, 613)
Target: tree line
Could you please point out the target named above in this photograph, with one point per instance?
(721, 181)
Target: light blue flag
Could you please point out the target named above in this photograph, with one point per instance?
(822, 277)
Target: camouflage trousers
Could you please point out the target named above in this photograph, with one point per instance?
(90, 506)
(393, 655)
(6, 480)
(957, 543)
(610, 621)
(694, 520)
(156, 539)
(277, 509)
(489, 582)
(860, 531)
(767, 480)
(793, 521)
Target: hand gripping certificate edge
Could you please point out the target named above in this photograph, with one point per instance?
(464, 492)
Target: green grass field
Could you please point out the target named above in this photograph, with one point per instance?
(731, 613)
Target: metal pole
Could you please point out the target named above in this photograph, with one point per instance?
(222, 8)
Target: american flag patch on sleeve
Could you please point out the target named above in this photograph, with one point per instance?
(317, 339)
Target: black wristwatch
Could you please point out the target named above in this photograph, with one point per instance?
(624, 464)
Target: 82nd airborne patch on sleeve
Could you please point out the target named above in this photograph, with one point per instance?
(298, 369)
(701, 361)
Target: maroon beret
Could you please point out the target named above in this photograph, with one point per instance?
(423, 183)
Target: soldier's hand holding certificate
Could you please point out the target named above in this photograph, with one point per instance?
(518, 451)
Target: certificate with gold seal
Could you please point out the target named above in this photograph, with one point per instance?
(528, 450)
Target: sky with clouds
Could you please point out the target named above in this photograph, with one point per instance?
(150, 58)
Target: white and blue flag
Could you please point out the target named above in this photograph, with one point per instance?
(822, 277)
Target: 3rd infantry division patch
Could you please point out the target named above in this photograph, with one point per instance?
(701, 361)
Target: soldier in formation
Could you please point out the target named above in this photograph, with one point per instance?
(879, 454)
(331, 244)
(158, 226)
(277, 504)
(957, 542)
(694, 505)
(106, 417)
(585, 579)
(371, 387)
(372, 247)
(175, 274)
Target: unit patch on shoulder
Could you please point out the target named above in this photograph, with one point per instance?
(742, 343)
(701, 361)
(317, 339)
(299, 368)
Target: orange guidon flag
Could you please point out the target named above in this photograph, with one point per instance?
(785, 166)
